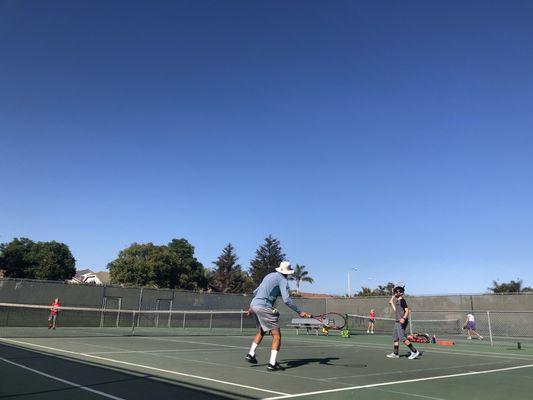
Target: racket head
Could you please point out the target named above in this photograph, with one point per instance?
(332, 320)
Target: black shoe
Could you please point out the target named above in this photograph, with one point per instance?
(251, 359)
(275, 367)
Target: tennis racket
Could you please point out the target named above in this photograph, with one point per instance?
(332, 320)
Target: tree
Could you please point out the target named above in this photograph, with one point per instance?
(193, 275)
(172, 266)
(144, 264)
(15, 257)
(365, 292)
(52, 260)
(386, 290)
(300, 275)
(267, 258)
(23, 258)
(228, 277)
(509, 287)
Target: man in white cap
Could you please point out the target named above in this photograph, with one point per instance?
(266, 316)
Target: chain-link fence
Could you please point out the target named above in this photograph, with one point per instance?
(444, 315)
(499, 328)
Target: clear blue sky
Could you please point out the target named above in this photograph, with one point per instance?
(392, 136)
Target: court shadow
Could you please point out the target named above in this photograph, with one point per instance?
(305, 361)
(19, 379)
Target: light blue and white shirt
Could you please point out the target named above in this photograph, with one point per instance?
(273, 285)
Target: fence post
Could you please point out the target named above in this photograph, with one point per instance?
(133, 324)
(327, 305)
(242, 320)
(140, 306)
(411, 325)
(490, 329)
(170, 308)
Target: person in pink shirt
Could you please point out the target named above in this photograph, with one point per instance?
(54, 311)
(371, 322)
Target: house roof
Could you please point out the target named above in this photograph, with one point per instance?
(81, 272)
(104, 277)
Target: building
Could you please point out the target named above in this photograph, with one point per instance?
(86, 276)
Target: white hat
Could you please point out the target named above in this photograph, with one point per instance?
(285, 268)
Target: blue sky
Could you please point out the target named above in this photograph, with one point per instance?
(391, 136)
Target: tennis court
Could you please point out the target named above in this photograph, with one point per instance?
(205, 365)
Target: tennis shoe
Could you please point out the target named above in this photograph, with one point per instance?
(251, 359)
(414, 355)
(481, 338)
(275, 367)
(393, 355)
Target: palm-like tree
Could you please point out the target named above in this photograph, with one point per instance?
(300, 275)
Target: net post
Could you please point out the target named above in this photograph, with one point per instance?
(490, 329)
(411, 324)
(211, 320)
(184, 314)
(242, 320)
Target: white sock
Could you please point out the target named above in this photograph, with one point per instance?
(252, 349)
(273, 356)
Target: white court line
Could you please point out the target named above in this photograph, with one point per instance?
(424, 349)
(161, 353)
(124, 351)
(418, 370)
(76, 385)
(193, 342)
(143, 366)
(409, 394)
(431, 378)
(157, 351)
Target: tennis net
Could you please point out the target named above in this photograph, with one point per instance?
(24, 320)
(360, 323)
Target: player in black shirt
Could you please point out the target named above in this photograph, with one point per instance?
(399, 305)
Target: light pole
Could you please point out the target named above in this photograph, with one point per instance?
(349, 285)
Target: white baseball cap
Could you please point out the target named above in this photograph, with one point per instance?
(285, 268)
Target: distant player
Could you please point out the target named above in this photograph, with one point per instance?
(54, 311)
(399, 305)
(266, 316)
(371, 322)
(470, 326)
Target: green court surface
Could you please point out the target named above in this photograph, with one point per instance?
(213, 367)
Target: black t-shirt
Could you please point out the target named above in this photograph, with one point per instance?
(401, 305)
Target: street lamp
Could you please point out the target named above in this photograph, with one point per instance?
(349, 285)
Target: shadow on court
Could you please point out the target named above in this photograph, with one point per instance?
(18, 382)
(305, 361)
